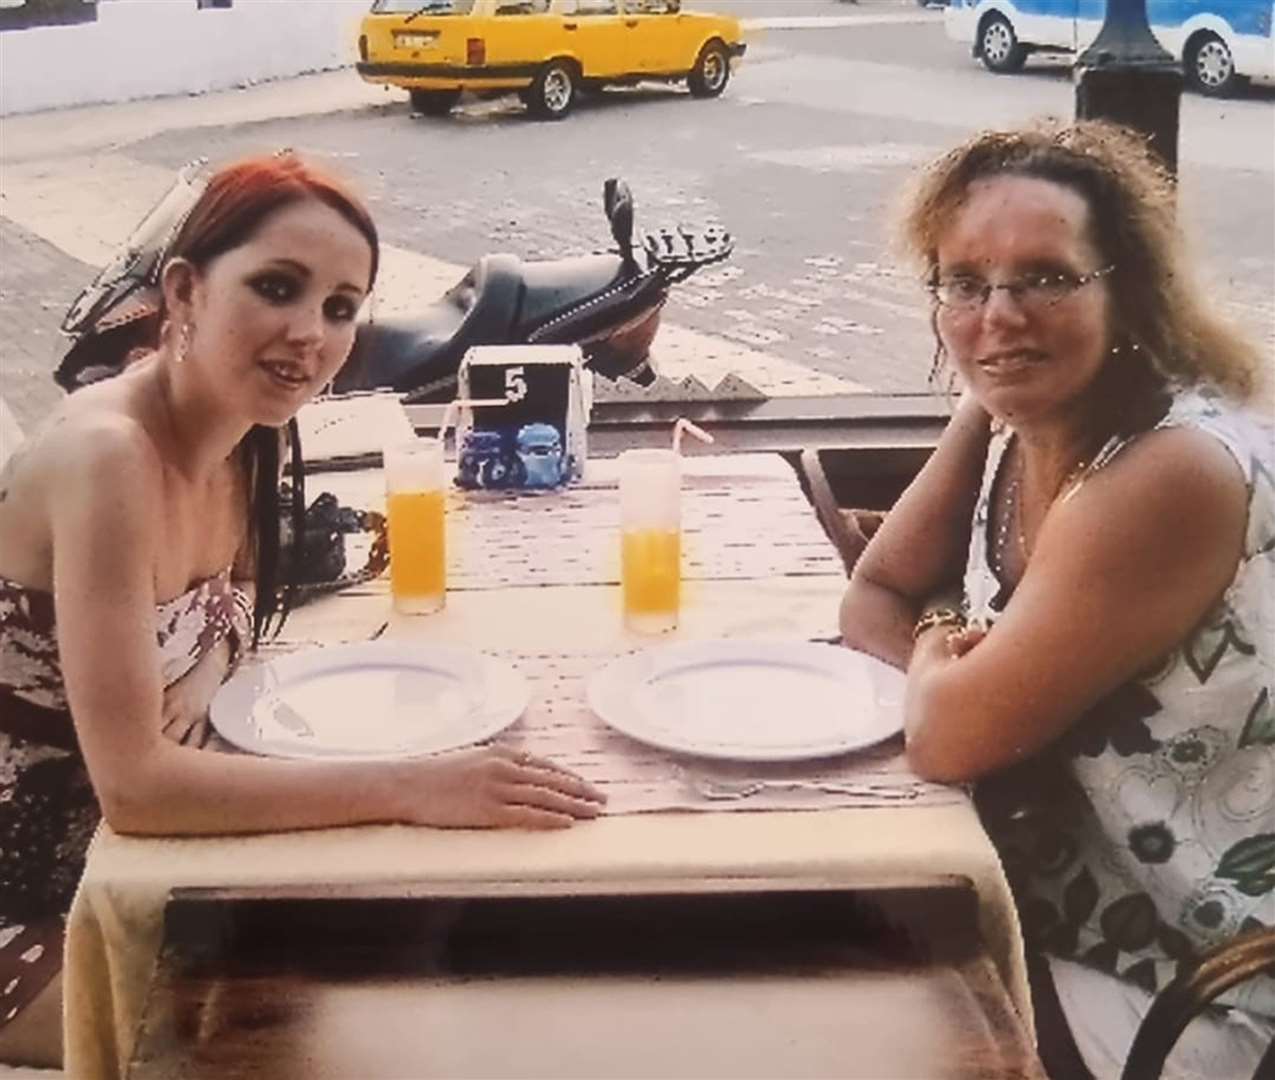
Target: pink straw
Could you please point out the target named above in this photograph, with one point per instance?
(684, 425)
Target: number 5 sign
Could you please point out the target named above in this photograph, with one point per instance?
(515, 383)
(537, 438)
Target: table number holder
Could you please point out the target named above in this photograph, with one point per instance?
(537, 439)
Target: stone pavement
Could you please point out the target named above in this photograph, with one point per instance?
(37, 282)
(70, 193)
(54, 235)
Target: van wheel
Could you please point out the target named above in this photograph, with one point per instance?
(999, 47)
(1209, 66)
(553, 93)
(711, 72)
(434, 102)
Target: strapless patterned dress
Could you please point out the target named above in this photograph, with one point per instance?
(48, 811)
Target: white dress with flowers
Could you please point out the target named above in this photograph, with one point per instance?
(1147, 833)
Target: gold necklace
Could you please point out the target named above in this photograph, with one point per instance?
(1071, 480)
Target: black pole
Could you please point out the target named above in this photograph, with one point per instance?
(1127, 77)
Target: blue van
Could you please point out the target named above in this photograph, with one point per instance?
(1220, 43)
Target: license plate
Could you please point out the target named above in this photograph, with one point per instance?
(415, 41)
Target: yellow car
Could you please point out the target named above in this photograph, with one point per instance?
(547, 50)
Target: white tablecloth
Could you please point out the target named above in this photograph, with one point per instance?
(115, 926)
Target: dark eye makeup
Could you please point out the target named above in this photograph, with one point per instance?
(275, 287)
(340, 308)
(280, 288)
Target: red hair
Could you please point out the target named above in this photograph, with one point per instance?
(241, 196)
(237, 201)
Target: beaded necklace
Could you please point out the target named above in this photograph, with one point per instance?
(1009, 513)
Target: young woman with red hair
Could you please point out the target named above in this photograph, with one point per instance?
(142, 522)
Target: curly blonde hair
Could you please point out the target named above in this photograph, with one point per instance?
(1161, 315)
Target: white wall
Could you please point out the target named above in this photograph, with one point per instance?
(147, 48)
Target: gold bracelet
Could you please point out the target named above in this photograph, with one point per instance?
(944, 616)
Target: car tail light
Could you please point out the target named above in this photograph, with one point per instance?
(362, 46)
(475, 52)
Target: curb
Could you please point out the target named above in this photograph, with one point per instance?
(115, 123)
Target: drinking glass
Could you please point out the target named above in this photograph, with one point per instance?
(651, 539)
(415, 487)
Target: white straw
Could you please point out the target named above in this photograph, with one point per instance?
(682, 425)
(456, 404)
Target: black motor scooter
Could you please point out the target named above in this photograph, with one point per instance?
(608, 303)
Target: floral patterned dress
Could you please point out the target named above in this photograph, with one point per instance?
(1147, 833)
(48, 811)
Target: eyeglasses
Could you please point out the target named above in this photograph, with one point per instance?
(1032, 292)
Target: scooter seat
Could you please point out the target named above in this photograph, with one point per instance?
(423, 353)
(502, 300)
(551, 289)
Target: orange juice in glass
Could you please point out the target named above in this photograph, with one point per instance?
(650, 539)
(415, 492)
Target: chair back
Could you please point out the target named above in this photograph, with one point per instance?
(1212, 974)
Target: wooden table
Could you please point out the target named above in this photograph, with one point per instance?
(790, 589)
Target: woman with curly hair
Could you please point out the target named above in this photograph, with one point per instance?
(1103, 503)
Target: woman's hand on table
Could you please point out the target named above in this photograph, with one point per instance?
(939, 646)
(493, 787)
(954, 642)
(943, 644)
(186, 702)
(961, 641)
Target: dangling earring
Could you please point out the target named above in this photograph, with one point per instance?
(183, 344)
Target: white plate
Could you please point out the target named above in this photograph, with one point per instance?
(369, 700)
(751, 700)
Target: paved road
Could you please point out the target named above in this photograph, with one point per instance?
(801, 160)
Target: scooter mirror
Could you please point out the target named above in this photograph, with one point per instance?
(617, 201)
(136, 267)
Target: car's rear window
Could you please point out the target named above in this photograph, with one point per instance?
(522, 7)
(425, 7)
(591, 7)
